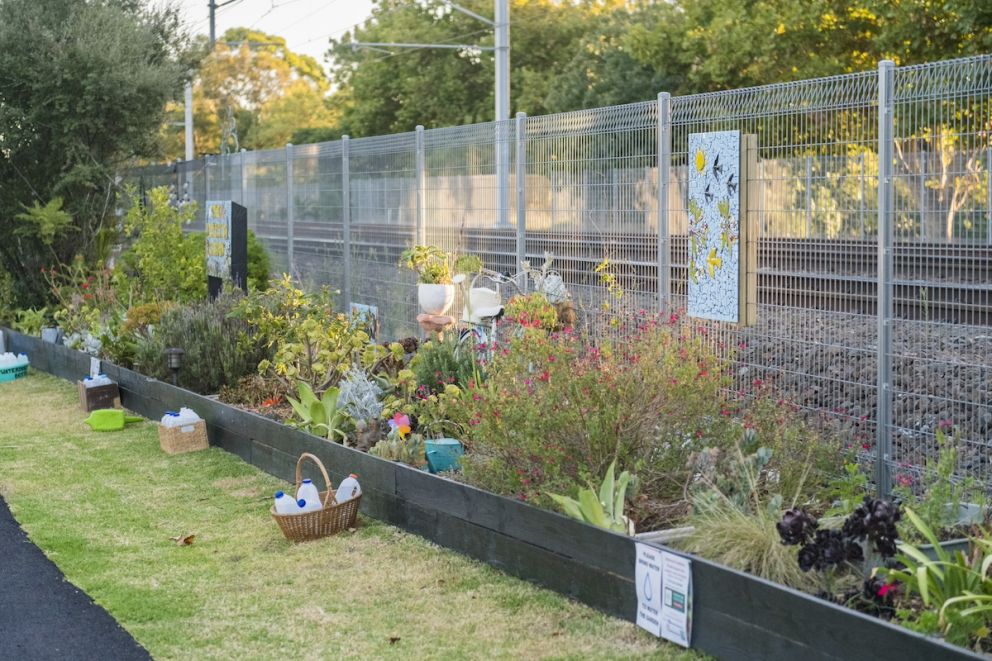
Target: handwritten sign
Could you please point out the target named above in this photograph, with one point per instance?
(219, 239)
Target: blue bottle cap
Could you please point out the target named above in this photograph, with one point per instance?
(174, 413)
(301, 503)
(307, 481)
(279, 494)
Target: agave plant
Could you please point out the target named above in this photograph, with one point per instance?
(604, 510)
(319, 415)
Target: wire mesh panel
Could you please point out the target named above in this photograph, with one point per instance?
(813, 200)
(224, 180)
(265, 196)
(591, 197)
(941, 353)
(464, 211)
(383, 196)
(318, 200)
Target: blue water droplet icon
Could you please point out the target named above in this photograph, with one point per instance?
(648, 594)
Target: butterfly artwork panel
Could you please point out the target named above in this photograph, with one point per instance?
(714, 226)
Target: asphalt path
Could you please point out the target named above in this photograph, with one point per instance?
(43, 616)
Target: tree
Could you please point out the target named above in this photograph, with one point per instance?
(269, 90)
(706, 45)
(392, 92)
(83, 86)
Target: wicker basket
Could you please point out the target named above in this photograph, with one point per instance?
(331, 519)
(188, 438)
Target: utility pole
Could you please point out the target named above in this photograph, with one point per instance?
(212, 5)
(502, 29)
(501, 51)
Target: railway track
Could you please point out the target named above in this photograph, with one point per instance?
(950, 283)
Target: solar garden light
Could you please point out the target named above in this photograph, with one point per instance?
(174, 360)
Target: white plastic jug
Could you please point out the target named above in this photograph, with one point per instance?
(348, 489)
(285, 504)
(308, 492)
(308, 506)
(170, 419)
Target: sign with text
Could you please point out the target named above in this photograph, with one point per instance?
(676, 598)
(219, 240)
(647, 577)
(227, 245)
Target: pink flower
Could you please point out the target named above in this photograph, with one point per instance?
(885, 589)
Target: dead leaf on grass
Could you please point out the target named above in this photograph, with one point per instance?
(393, 640)
(184, 540)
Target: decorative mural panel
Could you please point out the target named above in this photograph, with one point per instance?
(714, 226)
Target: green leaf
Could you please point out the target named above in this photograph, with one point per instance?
(606, 491)
(927, 532)
(592, 510)
(621, 495)
(923, 583)
(568, 505)
(302, 411)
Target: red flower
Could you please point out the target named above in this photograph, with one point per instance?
(545, 376)
(85, 285)
(885, 589)
(87, 296)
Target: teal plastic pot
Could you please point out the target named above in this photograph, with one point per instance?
(443, 454)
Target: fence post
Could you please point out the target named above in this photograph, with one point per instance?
(421, 193)
(809, 197)
(290, 210)
(988, 196)
(346, 218)
(206, 184)
(244, 179)
(664, 176)
(883, 434)
(923, 195)
(521, 181)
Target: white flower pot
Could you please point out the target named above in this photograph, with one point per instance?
(435, 299)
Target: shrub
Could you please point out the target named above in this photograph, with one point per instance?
(439, 363)
(220, 348)
(309, 342)
(162, 263)
(532, 310)
(431, 264)
(554, 412)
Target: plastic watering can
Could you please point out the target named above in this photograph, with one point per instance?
(110, 420)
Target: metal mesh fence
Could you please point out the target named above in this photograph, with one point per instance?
(940, 353)
(589, 190)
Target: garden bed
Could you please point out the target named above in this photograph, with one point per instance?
(734, 614)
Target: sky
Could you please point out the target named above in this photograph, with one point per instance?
(307, 25)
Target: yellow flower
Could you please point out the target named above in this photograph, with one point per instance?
(700, 160)
(713, 262)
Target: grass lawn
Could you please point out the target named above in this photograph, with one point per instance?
(103, 507)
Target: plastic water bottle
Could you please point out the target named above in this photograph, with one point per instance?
(285, 504)
(309, 493)
(170, 419)
(348, 489)
(308, 506)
